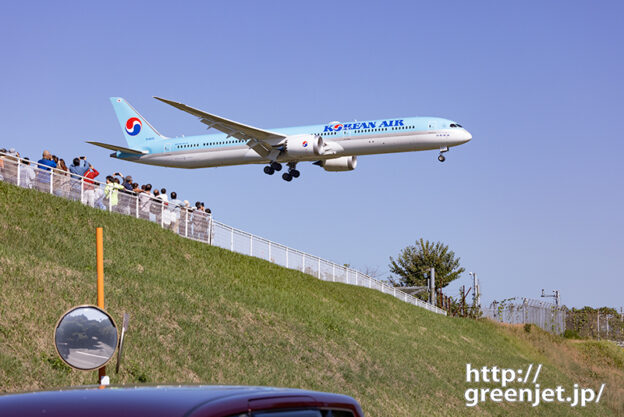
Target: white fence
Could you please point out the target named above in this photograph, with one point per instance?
(187, 222)
(545, 315)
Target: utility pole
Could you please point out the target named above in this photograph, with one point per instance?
(555, 295)
(476, 295)
(432, 286)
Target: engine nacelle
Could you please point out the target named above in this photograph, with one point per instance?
(344, 163)
(304, 145)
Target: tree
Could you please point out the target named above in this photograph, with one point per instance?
(414, 262)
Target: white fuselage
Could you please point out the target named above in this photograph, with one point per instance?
(219, 150)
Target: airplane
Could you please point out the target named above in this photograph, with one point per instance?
(334, 146)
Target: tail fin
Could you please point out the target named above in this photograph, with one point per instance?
(136, 129)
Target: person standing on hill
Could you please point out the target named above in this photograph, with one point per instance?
(166, 218)
(145, 202)
(61, 179)
(127, 201)
(78, 168)
(11, 160)
(174, 210)
(27, 174)
(46, 164)
(126, 182)
(2, 156)
(156, 206)
(89, 189)
(111, 191)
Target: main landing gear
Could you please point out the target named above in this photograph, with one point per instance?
(292, 172)
(286, 176)
(272, 167)
(441, 157)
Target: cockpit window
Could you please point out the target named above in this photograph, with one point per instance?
(455, 125)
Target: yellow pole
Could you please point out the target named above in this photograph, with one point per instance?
(99, 254)
(99, 248)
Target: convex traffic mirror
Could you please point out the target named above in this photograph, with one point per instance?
(86, 337)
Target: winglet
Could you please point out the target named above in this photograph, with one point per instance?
(181, 106)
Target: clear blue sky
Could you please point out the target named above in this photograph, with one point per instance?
(533, 201)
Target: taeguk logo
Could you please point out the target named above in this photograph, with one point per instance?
(133, 126)
(305, 144)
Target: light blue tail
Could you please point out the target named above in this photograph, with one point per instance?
(137, 131)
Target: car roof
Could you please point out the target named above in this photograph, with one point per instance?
(170, 401)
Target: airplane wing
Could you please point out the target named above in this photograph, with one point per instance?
(256, 138)
(118, 148)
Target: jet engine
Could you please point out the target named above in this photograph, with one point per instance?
(344, 163)
(304, 145)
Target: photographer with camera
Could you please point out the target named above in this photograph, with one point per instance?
(127, 197)
(78, 169)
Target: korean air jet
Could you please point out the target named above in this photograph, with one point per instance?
(333, 146)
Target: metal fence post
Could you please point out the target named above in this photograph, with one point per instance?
(162, 214)
(319, 268)
(231, 239)
(270, 260)
(19, 168)
(303, 262)
(210, 226)
(51, 180)
(333, 272)
(82, 192)
(250, 245)
(136, 198)
(286, 256)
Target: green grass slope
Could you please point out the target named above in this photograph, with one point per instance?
(201, 314)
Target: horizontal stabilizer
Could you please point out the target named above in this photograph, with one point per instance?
(118, 148)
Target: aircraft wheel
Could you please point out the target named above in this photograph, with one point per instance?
(295, 173)
(286, 177)
(276, 166)
(269, 170)
(441, 158)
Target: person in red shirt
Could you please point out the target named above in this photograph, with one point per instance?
(88, 190)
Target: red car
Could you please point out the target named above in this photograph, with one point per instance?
(173, 401)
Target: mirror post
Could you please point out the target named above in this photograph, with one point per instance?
(99, 253)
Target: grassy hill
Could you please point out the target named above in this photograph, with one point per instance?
(201, 314)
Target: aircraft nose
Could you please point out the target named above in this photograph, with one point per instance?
(467, 136)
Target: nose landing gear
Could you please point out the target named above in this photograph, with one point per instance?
(441, 157)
